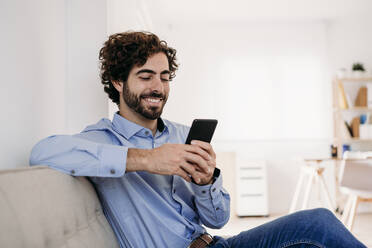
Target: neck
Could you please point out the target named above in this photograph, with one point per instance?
(135, 117)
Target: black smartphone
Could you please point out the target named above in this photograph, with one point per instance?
(202, 129)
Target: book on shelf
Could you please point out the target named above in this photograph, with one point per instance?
(342, 97)
(355, 124)
(361, 100)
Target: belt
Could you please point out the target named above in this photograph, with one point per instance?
(202, 241)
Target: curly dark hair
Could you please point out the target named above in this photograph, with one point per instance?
(122, 51)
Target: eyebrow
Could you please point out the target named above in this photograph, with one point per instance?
(152, 72)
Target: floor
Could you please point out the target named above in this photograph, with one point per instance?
(362, 226)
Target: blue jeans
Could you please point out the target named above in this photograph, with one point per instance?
(310, 228)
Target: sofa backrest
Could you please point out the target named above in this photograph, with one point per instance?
(41, 207)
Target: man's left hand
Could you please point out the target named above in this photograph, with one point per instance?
(206, 174)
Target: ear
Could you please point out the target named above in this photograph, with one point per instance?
(118, 86)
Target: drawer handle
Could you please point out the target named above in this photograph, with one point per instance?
(250, 178)
(251, 195)
(251, 168)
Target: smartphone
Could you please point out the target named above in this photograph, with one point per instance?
(202, 129)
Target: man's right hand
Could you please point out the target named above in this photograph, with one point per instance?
(170, 159)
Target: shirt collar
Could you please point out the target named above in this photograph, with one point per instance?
(128, 128)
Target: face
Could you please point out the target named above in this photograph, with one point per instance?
(147, 88)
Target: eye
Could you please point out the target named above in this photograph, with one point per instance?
(165, 80)
(145, 78)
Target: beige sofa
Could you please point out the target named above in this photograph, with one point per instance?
(40, 207)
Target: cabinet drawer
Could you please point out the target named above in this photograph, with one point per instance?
(246, 186)
(252, 205)
(251, 171)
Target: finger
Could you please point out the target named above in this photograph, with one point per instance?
(197, 161)
(206, 146)
(191, 171)
(212, 163)
(202, 178)
(182, 173)
(198, 150)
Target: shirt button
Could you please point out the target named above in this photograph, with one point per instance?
(217, 208)
(72, 171)
(147, 132)
(214, 189)
(174, 191)
(112, 171)
(204, 191)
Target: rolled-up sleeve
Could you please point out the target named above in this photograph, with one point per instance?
(212, 203)
(77, 156)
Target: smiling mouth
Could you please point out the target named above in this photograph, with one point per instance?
(152, 100)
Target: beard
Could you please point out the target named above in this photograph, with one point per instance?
(134, 102)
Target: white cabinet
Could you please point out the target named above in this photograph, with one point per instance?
(251, 188)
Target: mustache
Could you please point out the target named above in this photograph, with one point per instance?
(154, 94)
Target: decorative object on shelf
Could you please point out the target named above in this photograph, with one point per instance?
(358, 67)
(347, 132)
(363, 119)
(333, 151)
(345, 147)
(358, 70)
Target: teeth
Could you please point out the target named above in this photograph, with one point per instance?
(153, 100)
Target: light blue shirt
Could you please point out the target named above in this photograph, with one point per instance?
(144, 209)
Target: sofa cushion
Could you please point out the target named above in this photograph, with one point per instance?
(41, 207)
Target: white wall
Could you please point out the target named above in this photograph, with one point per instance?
(86, 102)
(349, 41)
(266, 82)
(263, 80)
(49, 71)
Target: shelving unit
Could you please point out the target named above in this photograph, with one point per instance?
(340, 114)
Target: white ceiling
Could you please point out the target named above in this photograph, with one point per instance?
(241, 10)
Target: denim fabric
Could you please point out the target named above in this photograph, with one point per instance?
(316, 228)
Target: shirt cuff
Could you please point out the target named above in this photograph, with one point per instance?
(209, 190)
(113, 160)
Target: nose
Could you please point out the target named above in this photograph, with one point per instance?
(157, 84)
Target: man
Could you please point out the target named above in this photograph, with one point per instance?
(155, 190)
